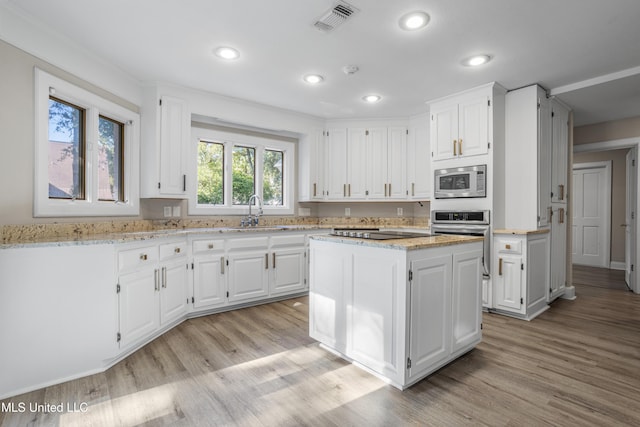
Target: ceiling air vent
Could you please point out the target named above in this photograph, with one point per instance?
(335, 16)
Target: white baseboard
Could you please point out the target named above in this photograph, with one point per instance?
(617, 265)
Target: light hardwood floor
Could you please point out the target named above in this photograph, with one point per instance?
(578, 364)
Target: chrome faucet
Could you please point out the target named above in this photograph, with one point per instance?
(252, 220)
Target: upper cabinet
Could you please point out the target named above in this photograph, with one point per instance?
(418, 163)
(460, 125)
(559, 151)
(164, 145)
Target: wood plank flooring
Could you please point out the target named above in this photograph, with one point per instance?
(576, 364)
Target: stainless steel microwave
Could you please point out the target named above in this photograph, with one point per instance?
(462, 182)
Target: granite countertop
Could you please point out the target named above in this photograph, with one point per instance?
(520, 232)
(406, 244)
(134, 236)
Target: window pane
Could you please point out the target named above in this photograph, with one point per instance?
(110, 146)
(66, 150)
(272, 178)
(210, 173)
(244, 174)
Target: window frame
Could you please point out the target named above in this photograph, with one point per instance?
(229, 140)
(46, 86)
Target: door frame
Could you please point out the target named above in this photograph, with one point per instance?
(616, 144)
(606, 165)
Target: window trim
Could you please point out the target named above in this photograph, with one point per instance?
(47, 85)
(229, 139)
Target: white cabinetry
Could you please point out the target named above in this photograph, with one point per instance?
(288, 264)
(248, 268)
(521, 276)
(165, 134)
(357, 157)
(399, 314)
(152, 289)
(528, 157)
(558, 264)
(419, 180)
(559, 151)
(336, 163)
(460, 125)
(209, 285)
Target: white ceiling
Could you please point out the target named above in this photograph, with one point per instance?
(551, 42)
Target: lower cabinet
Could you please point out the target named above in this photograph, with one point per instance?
(521, 277)
(209, 279)
(558, 260)
(152, 288)
(248, 267)
(399, 314)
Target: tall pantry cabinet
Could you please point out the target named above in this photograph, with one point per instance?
(536, 160)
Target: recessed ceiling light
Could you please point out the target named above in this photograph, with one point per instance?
(372, 98)
(414, 20)
(476, 60)
(225, 52)
(313, 78)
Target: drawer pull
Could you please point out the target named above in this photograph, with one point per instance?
(500, 267)
(210, 245)
(143, 257)
(176, 250)
(507, 246)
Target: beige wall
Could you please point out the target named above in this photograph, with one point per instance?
(610, 131)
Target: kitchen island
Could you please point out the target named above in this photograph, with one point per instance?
(400, 308)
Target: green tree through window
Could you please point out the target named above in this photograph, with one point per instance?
(244, 174)
(210, 173)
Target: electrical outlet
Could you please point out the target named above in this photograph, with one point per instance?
(400, 211)
(347, 211)
(167, 211)
(176, 211)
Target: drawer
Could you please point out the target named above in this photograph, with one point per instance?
(248, 243)
(137, 258)
(173, 250)
(288, 240)
(208, 245)
(510, 246)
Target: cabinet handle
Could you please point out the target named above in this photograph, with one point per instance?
(344, 190)
(561, 189)
(385, 190)
(266, 261)
(210, 245)
(143, 257)
(561, 219)
(460, 146)
(155, 279)
(507, 246)
(184, 182)
(389, 189)
(221, 265)
(164, 277)
(273, 260)
(176, 250)
(500, 267)
(454, 147)
(550, 209)
(349, 190)
(413, 189)
(314, 189)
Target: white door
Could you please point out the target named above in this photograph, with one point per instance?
(335, 181)
(357, 164)
(209, 285)
(248, 275)
(444, 131)
(466, 299)
(287, 269)
(173, 293)
(591, 213)
(473, 126)
(630, 223)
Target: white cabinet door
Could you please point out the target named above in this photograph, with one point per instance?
(466, 299)
(376, 163)
(336, 164)
(357, 164)
(209, 285)
(473, 125)
(173, 290)
(544, 162)
(418, 163)
(316, 163)
(174, 131)
(373, 311)
(559, 152)
(430, 313)
(327, 322)
(397, 163)
(248, 275)
(444, 131)
(507, 284)
(288, 270)
(138, 305)
(558, 258)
